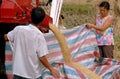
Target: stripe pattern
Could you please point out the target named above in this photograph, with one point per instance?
(55, 11)
(84, 51)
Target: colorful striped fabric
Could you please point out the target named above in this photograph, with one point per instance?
(84, 51)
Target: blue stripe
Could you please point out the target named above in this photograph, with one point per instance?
(8, 67)
(69, 42)
(8, 47)
(98, 69)
(79, 38)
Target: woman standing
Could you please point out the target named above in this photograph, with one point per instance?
(104, 30)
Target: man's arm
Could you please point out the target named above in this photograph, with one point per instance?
(5, 37)
(47, 65)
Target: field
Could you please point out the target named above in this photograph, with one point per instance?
(80, 12)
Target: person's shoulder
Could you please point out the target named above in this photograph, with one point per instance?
(20, 28)
(110, 17)
(17, 27)
(98, 16)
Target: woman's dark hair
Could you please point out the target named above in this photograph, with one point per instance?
(37, 15)
(105, 4)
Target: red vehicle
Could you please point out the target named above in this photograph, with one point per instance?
(14, 12)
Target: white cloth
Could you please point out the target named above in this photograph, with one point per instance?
(28, 45)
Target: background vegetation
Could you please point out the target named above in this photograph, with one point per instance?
(77, 14)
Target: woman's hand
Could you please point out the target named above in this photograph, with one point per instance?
(89, 25)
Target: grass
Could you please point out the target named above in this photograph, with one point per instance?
(77, 8)
(77, 14)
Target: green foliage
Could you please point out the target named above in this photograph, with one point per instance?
(77, 8)
(77, 14)
(117, 39)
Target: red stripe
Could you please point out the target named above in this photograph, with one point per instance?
(54, 54)
(81, 75)
(68, 35)
(80, 44)
(93, 68)
(108, 61)
(9, 76)
(107, 67)
(8, 57)
(58, 52)
(83, 57)
(76, 33)
(115, 75)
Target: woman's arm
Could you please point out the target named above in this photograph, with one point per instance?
(107, 23)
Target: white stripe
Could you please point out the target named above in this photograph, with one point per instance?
(55, 11)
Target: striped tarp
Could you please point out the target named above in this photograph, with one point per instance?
(84, 51)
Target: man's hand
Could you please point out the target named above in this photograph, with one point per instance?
(45, 62)
(55, 73)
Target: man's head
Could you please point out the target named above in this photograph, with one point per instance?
(37, 15)
(40, 19)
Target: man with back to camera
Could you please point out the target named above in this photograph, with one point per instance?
(29, 48)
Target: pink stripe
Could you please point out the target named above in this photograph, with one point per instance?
(115, 75)
(83, 57)
(51, 77)
(118, 63)
(69, 35)
(81, 74)
(108, 61)
(93, 68)
(51, 39)
(9, 76)
(86, 41)
(107, 67)
(8, 57)
(77, 33)
(54, 54)
(58, 52)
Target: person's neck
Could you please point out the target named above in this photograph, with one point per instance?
(103, 16)
(35, 25)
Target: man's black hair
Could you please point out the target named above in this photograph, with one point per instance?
(37, 15)
(105, 4)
